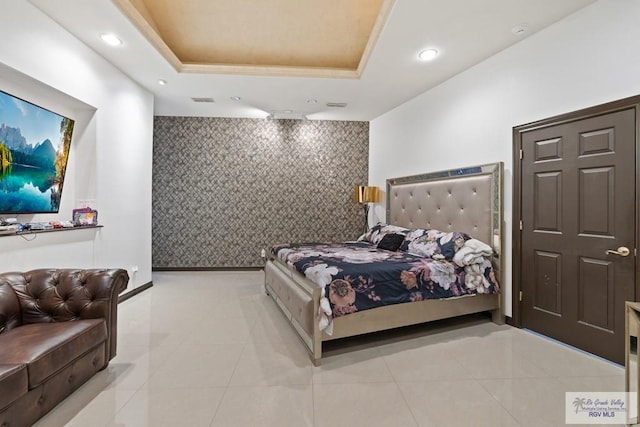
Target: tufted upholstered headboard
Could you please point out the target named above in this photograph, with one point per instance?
(468, 200)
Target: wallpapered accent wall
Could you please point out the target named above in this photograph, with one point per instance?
(223, 188)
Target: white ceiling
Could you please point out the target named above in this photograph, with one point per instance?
(465, 31)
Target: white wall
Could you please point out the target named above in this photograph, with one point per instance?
(589, 58)
(110, 161)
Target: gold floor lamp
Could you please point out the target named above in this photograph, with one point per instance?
(366, 195)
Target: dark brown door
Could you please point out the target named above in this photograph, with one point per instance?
(578, 202)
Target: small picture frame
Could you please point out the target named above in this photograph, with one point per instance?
(85, 217)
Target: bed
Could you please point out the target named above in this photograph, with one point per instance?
(467, 201)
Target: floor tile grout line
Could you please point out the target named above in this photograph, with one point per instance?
(115, 416)
(406, 402)
(554, 379)
(215, 413)
(397, 384)
(499, 402)
(141, 386)
(313, 402)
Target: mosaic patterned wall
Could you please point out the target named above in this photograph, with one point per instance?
(223, 189)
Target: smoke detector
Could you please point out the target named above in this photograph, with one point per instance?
(520, 29)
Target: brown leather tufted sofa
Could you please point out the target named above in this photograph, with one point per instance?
(57, 329)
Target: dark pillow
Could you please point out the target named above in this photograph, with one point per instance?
(391, 242)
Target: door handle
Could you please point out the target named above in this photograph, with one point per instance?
(622, 251)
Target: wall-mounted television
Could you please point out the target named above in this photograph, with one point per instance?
(34, 149)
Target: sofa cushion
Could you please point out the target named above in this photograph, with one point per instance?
(46, 348)
(14, 383)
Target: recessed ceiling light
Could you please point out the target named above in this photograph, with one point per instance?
(312, 101)
(428, 54)
(520, 29)
(111, 39)
(235, 98)
(162, 82)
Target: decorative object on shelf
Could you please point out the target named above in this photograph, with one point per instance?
(85, 216)
(366, 195)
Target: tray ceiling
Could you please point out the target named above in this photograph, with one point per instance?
(323, 38)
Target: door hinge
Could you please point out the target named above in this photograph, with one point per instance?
(520, 224)
(520, 296)
(521, 154)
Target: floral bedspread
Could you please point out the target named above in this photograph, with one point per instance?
(357, 276)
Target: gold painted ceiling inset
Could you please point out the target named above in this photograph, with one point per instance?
(327, 38)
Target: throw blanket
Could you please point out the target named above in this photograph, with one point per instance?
(472, 252)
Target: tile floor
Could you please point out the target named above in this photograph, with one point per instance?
(210, 349)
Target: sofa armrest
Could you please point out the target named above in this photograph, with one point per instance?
(10, 315)
(60, 295)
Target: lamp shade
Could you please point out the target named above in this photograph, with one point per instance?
(366, 194)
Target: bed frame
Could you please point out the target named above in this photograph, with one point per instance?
(468, 200)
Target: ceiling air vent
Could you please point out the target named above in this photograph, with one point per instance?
(337, 104)
(202, 100)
